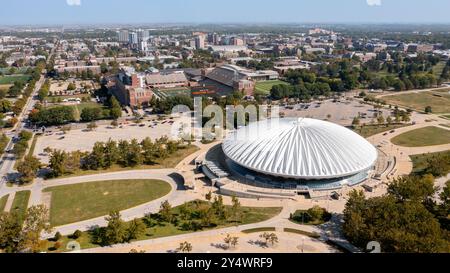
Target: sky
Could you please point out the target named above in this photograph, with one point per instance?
(19, 12)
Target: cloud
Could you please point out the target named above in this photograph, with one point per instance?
(373, 3)
(73, 2)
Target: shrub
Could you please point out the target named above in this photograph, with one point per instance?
(58, 236)
(77, 234)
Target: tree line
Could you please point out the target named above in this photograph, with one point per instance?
(104, 155)
(407, 219)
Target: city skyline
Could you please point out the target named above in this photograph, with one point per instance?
(201, 11)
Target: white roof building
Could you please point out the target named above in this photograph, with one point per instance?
(305, 149)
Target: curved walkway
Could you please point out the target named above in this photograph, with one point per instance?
(402, 154)
(176, 197)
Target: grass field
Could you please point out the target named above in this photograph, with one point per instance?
(419, 101)
(20, 203)
(78, 108)
(368, 131)
(3, 201)
(264, 87)
(438, 68)
(74, 203)
(160, 229)
(420, 162)
(428, 136)
(172, 92)
(13, 78)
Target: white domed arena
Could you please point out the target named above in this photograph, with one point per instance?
(299, 154)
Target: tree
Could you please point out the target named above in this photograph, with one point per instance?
(34, 224)
(10, 232)
(71, 86)
(227, 240)
(116, 109)
(269, 237)
(57, 236)
(356, 121)
(185, 247)
(235, 208)
(166, 211)
(149, 151)
(111, 153)
(413, 188)
(401, 221)
(273, 239)
(208, 196)
(428, 110)
(57, 162)
(234, 241)
(136, 228)
(134, 156)
(58, 115)
(380, 119)
(218, 207)
(28, 169)
(77, 234)
(90, 114)
(115, 232)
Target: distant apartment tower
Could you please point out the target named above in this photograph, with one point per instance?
(133, 38)
(213, 39)
(143, 35)
(237, 41)
(123, 36)
(200, 42)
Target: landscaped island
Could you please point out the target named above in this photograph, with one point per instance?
(190, 217)
(78, 202)
(428, 136)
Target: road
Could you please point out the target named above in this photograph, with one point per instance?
(8, 159)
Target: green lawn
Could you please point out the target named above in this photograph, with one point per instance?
(172, 92)
(439, 101)
(3, 201)
(368, 131)
(78, 108)
(428, 136)
(420, 162)
(20, 203)
(13, 78)
(264, 87)
(74, 203)
(438, 68)
(160, 229)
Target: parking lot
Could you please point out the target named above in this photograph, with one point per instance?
(84, 140)
(340, 112)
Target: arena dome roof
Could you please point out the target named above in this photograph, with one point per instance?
(300, 149)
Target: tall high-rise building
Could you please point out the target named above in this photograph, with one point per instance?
(213, 38)
(133, 38)
(200, 42)
(237, 41)
(143, 35)
(143, 46)
(123, 36)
